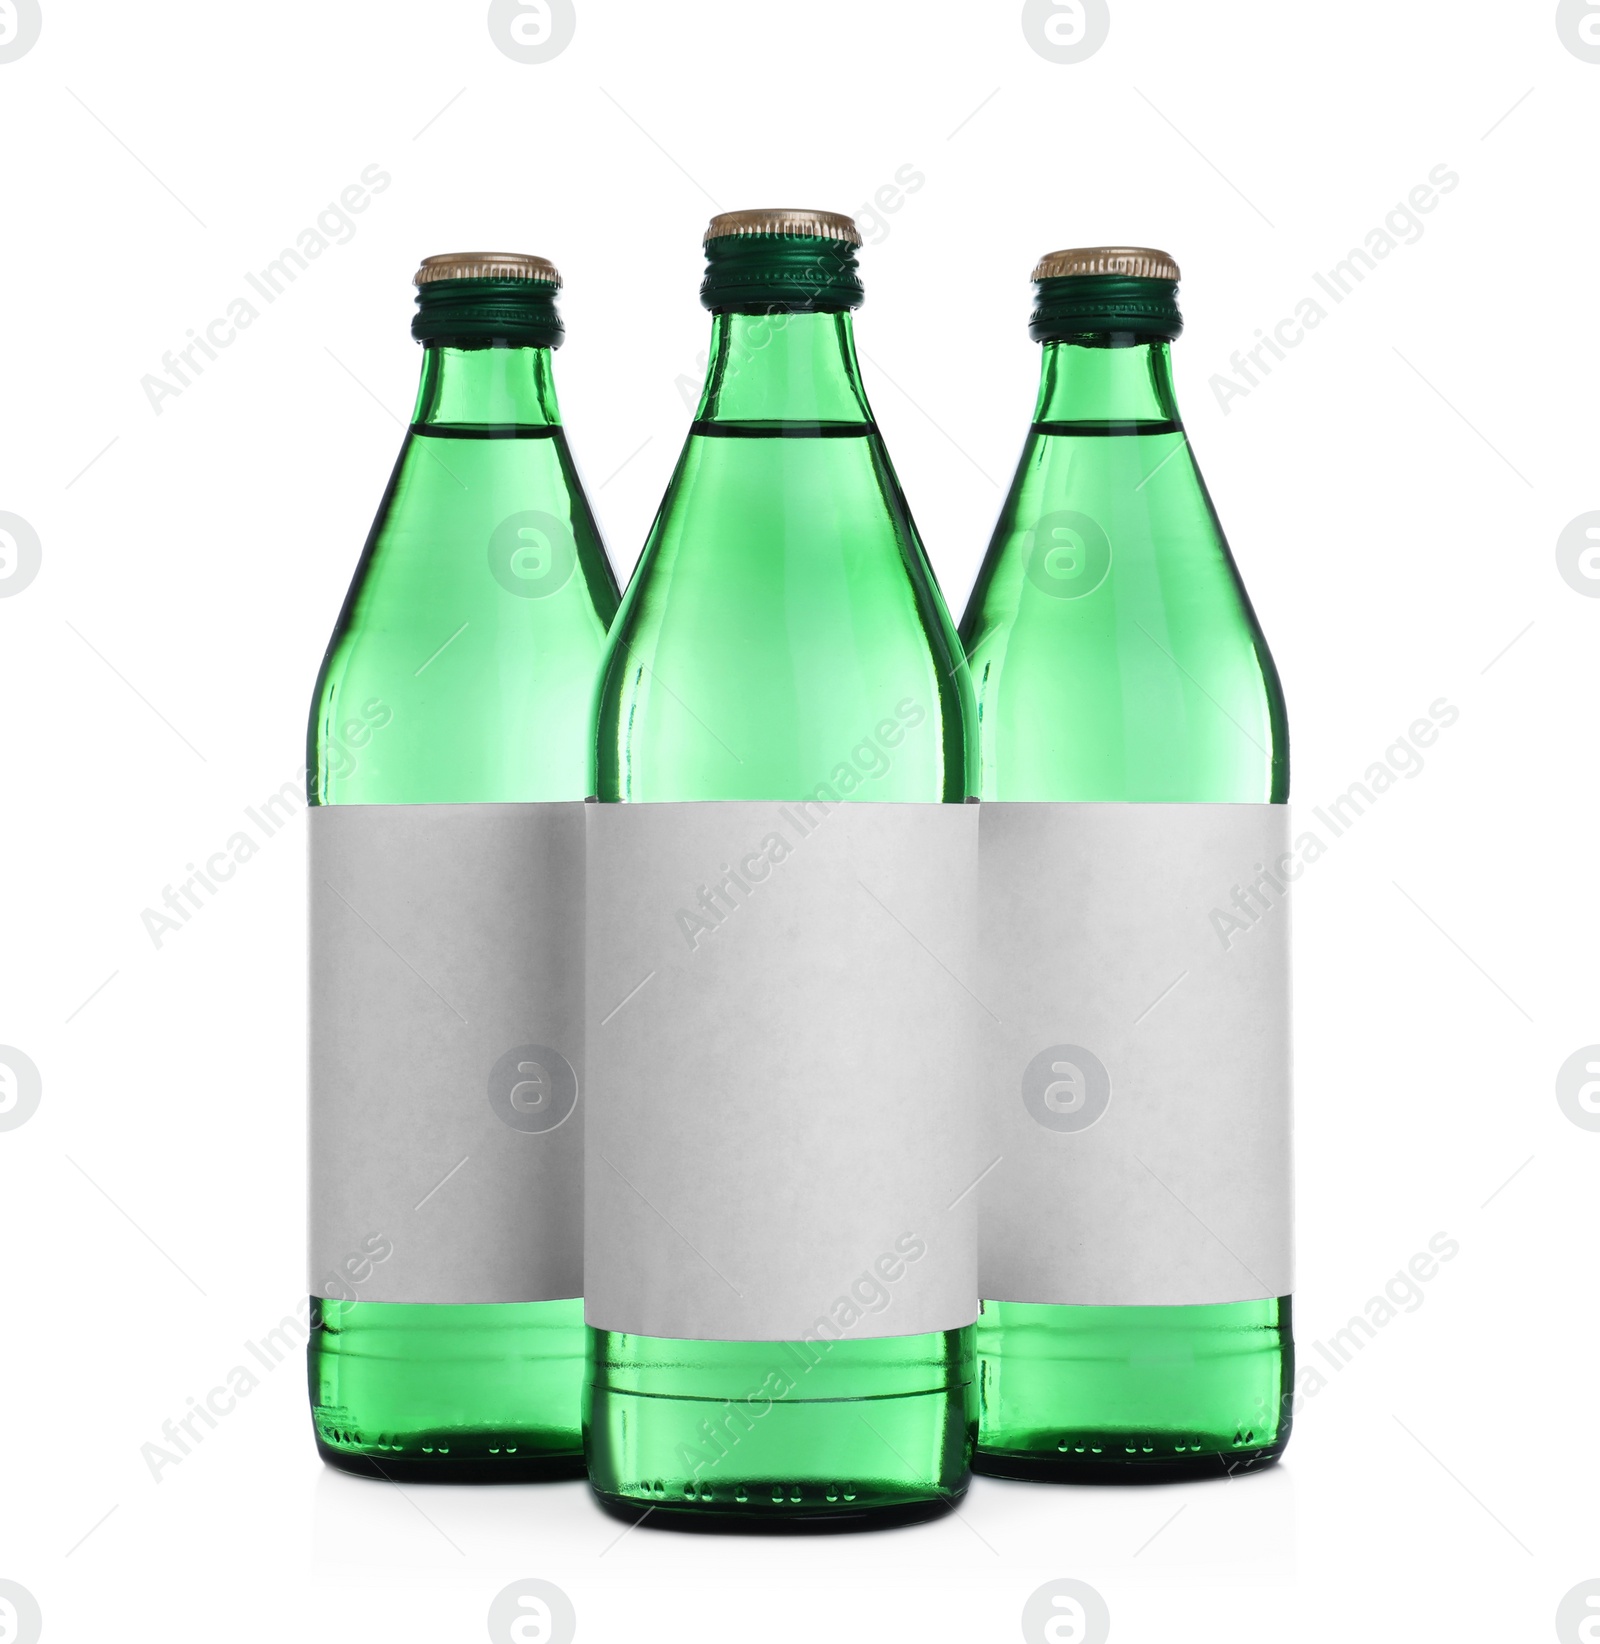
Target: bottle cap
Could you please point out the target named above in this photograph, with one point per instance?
(1138, 261)
(784, 220)
(474, 299)
(780, 259)
(1127, 291)
(486, 265)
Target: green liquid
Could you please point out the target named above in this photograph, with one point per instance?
(1128, 671)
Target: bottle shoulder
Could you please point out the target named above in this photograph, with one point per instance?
(475, 619)
(1115, 653)
(782, 610)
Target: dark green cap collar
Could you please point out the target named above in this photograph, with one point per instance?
(1078, 304)
(477, 312)
(795, 273)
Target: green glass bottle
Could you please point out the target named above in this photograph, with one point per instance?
(455, 694)
(1116, 661)
(782, 638)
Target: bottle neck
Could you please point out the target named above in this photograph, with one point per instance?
(783, 367)
(1109, 377)
(494, 387)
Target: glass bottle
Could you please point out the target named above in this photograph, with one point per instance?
(781, 620)
(1115, 658)
(460, 673)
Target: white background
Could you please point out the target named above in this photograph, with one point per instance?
(1393, 492)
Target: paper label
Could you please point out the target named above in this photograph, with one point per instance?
(1138, 1083)
(782, 1039)
(447, 1052)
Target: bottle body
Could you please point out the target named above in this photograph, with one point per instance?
(781, 637)
(1116, 660)
(474, 622)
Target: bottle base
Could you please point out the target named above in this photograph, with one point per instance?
(446, 1469)
(1133, 1395)
(775, 1521)
(420, 1393)
(782, 1437)
(1101, 1464)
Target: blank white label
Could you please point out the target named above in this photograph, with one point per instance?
(447, 1052)
(1138, 1087)
(782, 1043)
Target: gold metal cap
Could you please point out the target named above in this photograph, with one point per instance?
(823, 225)
(486, 265)
(1139, 261)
